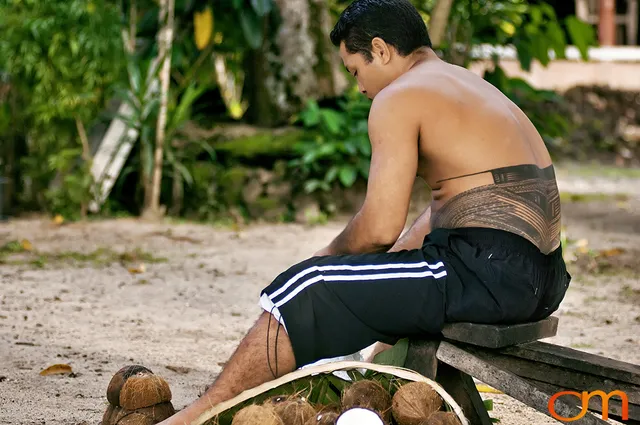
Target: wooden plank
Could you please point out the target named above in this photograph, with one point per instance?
(111, 156)
(595, 403)
(510, 383)
(461, 387)
(421, 358)
(571, 379)
(576, 360)
(498, 336)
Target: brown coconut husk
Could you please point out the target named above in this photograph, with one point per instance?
(119, 378)
(326, 415)
(414, 403)
(294, 411)
(111, 415)
(144, 391)
(255, 414)
(369, 394)
(147, 415)
(442, 418)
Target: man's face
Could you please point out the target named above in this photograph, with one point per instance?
(372, 77)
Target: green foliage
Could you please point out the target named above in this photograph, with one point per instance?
(532, 28)
(394, 356)
(143, 96)
(63, 54)
(340, 151)
(76, 187)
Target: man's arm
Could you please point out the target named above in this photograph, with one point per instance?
(393, 132)
(414, 237)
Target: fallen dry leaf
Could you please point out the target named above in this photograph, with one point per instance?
(26, 245)
(56, 369)
(179, 369)
(137, 270)
(613, 252)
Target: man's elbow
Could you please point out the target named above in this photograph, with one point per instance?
(385, 238)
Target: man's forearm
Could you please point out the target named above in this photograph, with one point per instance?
(357, 239)
(414, 237)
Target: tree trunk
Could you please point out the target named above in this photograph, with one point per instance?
(439, 19)
(297, 62)
(86, 158)
(165, 39)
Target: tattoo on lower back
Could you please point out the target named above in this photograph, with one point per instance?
(524, 199)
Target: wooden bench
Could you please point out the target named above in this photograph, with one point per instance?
(511, 359)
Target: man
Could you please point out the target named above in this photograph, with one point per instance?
(487, 250)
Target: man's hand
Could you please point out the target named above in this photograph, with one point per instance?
(414, 237)
(321, 253)
(394, 132)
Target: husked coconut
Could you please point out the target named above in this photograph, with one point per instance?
(255, 414)
(414, 403)
(368, 394)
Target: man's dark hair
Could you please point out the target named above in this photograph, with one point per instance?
(397, 22)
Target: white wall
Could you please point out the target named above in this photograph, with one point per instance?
(616, 67)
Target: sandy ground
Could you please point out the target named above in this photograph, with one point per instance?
(191, 311)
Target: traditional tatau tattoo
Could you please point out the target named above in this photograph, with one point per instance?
(524, 200)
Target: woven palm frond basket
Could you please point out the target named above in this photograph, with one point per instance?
(325, 385)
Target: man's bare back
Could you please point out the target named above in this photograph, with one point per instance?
(482, 157)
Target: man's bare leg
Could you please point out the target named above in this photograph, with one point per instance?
(248, 367)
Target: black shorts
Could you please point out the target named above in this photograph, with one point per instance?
(337, 305)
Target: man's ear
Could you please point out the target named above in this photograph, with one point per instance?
(380, 49)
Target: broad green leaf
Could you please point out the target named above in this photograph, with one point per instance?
(332, 173)
(488, 404)
(251, 28)
(311, 114)
(348, 175)
(394, 356)
(237, 4)
(582, 35)
(536, 15)
(332, 119)
(557, 39)
(311, 185)
(262, 7)
(525, 54)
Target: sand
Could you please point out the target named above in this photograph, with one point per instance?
(182, 318)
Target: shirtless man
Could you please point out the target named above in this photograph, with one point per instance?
(487, 250)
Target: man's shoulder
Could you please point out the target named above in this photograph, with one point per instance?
(406, 96)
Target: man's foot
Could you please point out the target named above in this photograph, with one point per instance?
(137, 396)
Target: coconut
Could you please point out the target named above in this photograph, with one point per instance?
(119, 378)
(144, 391)
(327, 415)
(442, 418)
(359, 416)
(147, 415)
(294, 411)
(111, 415)
(255, 414)
(414, 402)
(368, 394)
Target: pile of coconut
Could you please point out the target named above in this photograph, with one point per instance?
(376, 400)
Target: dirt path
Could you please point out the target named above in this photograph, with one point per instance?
(65, 303)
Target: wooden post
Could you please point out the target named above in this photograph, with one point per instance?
(606, 24)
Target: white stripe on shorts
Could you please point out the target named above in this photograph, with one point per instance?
(347, 267)
(377, 276)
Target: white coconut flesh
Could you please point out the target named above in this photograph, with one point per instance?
(359, 416)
